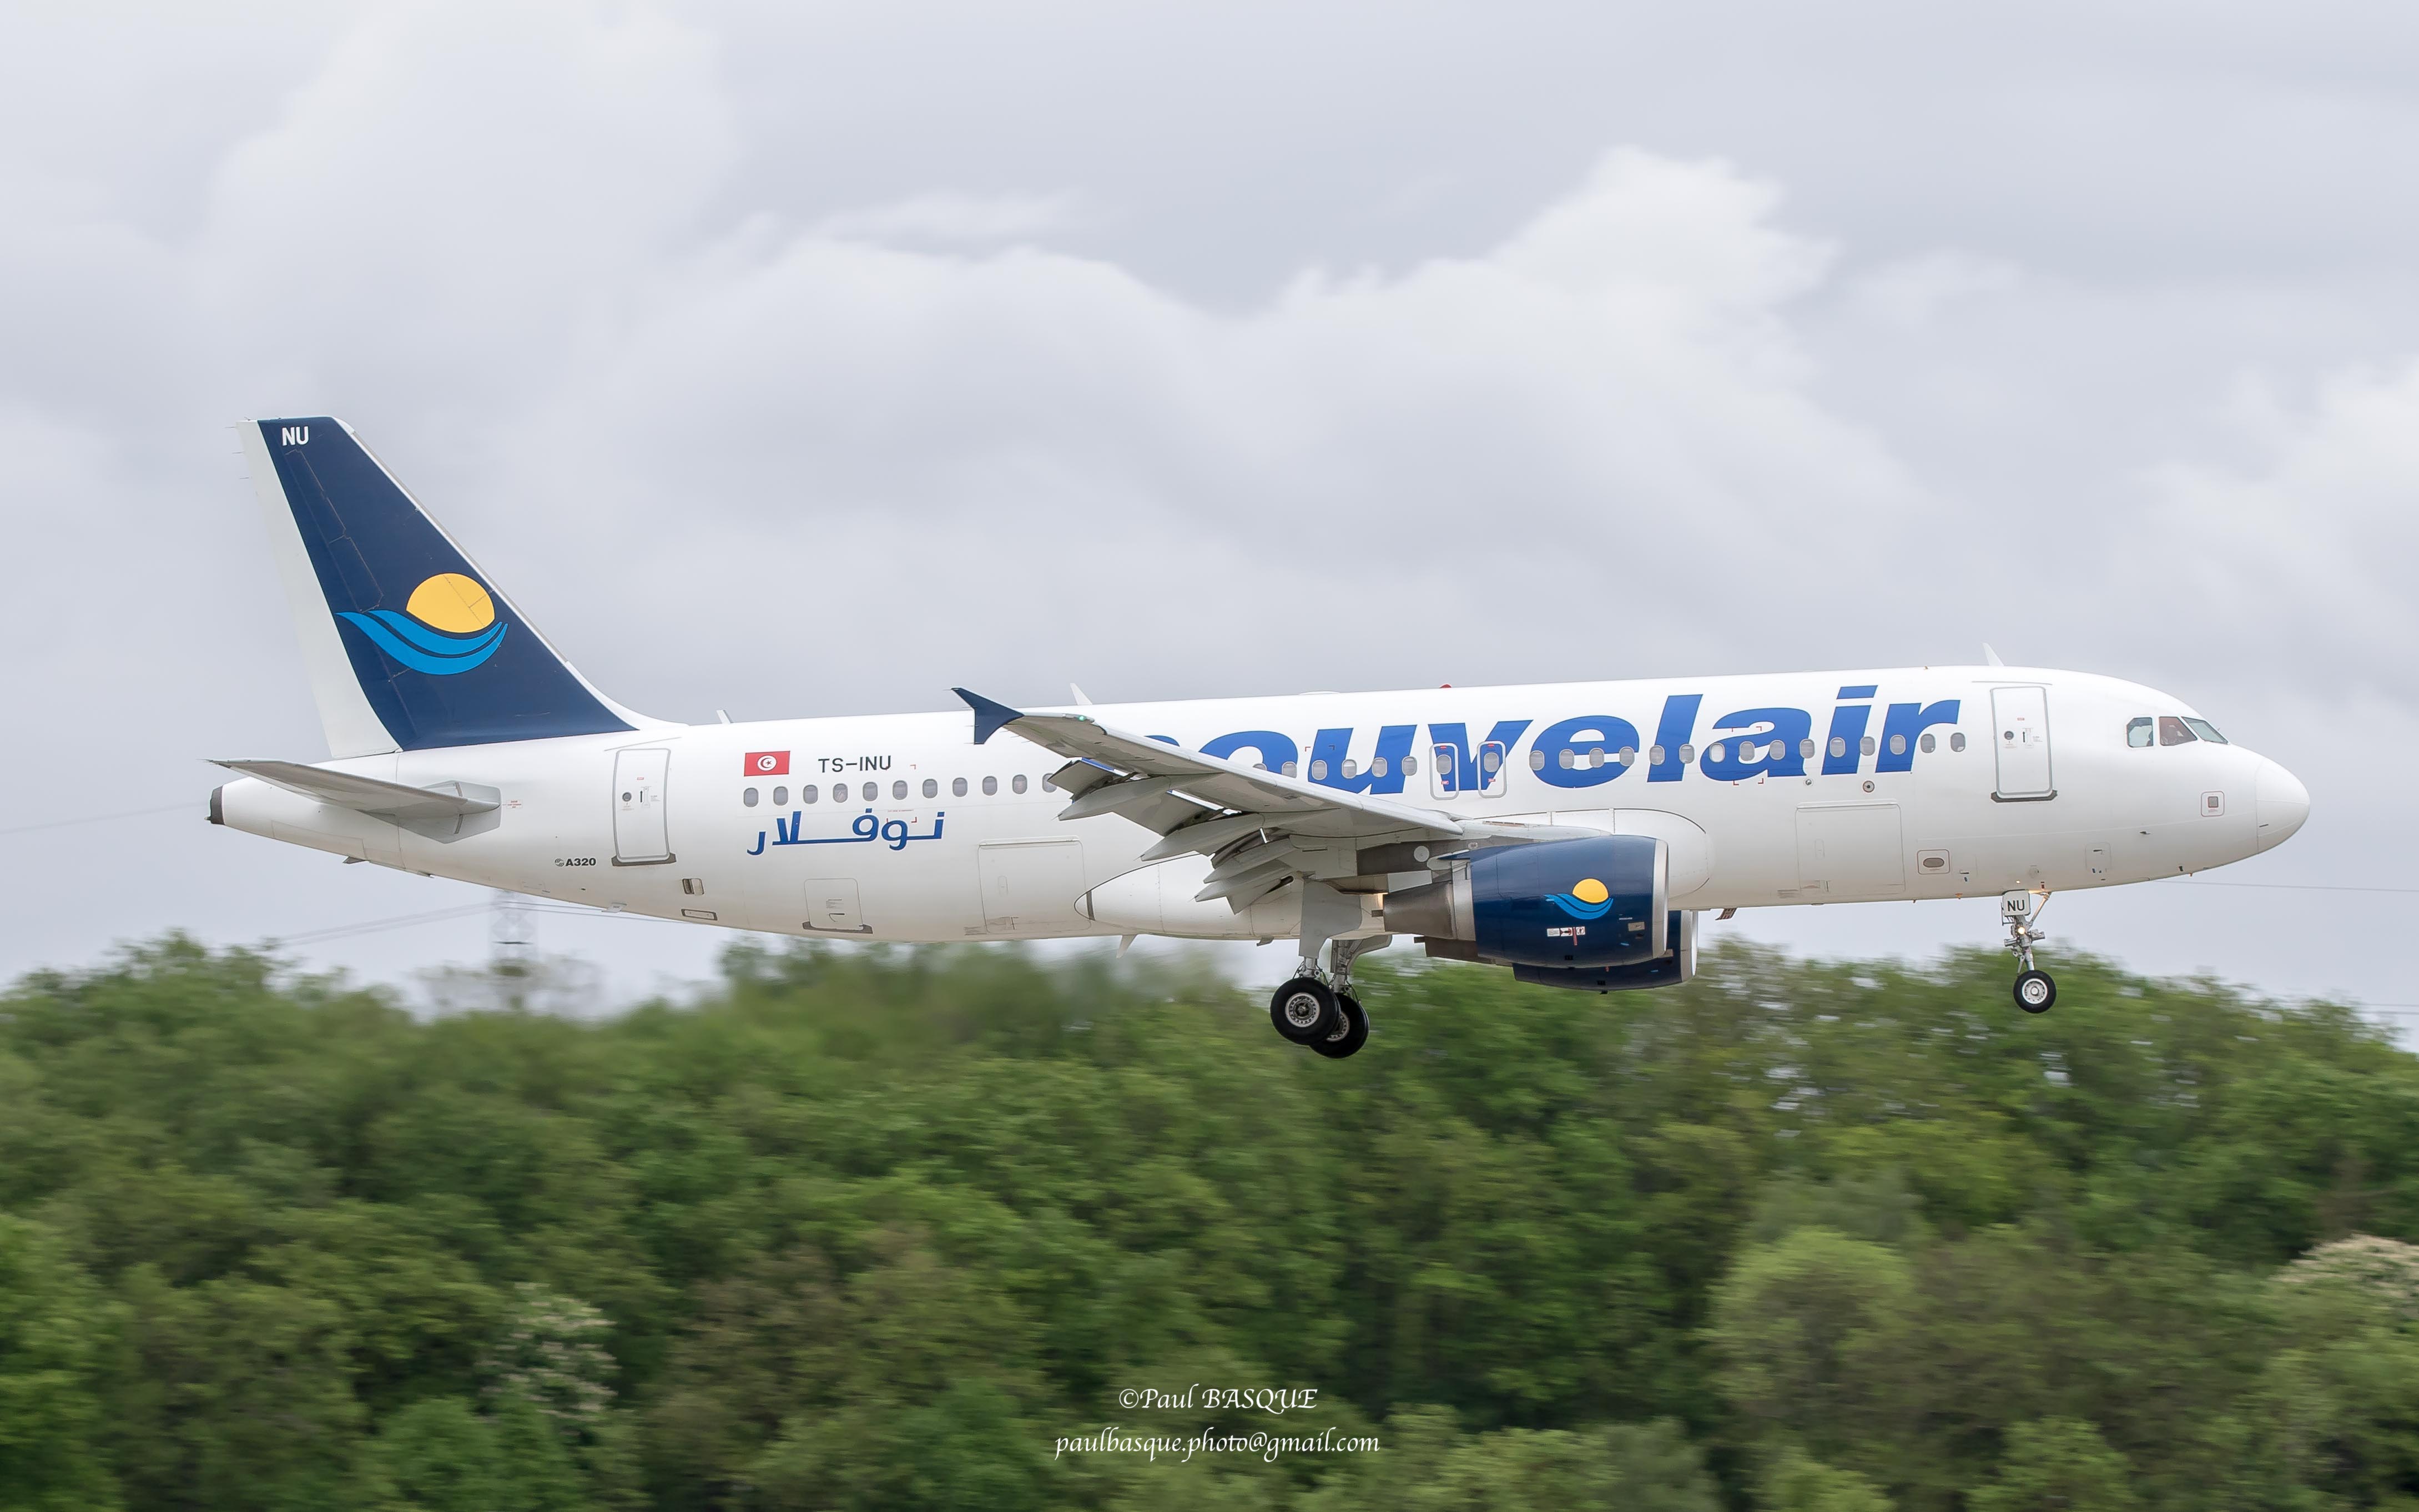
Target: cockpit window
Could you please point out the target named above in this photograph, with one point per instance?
(2205, 729)
(2172, 731)
(2137, 732)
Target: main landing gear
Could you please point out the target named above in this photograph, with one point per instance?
(2035, 989)
(1317, 1007)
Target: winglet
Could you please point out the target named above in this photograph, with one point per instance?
(990, 717)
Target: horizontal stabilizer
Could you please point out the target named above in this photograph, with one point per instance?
(445, 811)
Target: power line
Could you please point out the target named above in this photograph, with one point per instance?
(2286, 886)
(100, 818)
(372, 925)
(439, 915)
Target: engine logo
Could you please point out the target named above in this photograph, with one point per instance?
(1591, 898)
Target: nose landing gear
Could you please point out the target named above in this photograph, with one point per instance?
(2035, 989)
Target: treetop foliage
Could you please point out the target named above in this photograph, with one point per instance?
(879, 1228)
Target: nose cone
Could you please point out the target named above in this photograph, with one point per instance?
(2283, 804)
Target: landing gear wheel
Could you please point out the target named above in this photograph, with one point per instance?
(1305, 1010)
(2035, 991)
(1351, 1034)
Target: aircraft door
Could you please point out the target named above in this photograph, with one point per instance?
(1494, 769)
(641, 837)
(2020, 726)
(1851, 850)
(1453, 776)
(833, 906)
(1444, 770)
(1030, 887)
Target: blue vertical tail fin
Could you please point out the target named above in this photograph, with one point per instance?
(408, 644)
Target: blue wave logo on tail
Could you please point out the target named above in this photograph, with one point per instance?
(448, 627)
(1591, 898)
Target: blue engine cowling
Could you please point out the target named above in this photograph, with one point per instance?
(1663, 971)
(1592, 902)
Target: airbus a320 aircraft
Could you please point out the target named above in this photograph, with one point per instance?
(1573, 832)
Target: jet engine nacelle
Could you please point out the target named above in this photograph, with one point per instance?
(1589, 904)
(1664, 971)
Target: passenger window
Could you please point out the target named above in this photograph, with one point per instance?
(1655, 756)
(1628, 755)
(899, 789)
(1717, 755)
(1410, 766)
(1376, 767)
(808, 794)
(748, 798)
(957, 787)
(873, 791)
(1957, 740)
(1839, 746)
(1897, 744)
(1016, 783)
(1687, 755)
(1927, 744)
(1865, 746)
(2205, 729)
(2172, 731)
(2137, 733)
(1349, 768)
(781, 798)
(932, 789)
(1318, 771)
(1048, 786)
(1290, 768)
(991, 786)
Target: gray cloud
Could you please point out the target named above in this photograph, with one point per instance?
(805, 361)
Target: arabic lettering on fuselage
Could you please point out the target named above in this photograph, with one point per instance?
(1584, 751)
(865, 830)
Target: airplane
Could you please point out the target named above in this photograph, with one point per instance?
(1573, 832)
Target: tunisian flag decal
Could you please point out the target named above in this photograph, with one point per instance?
(768, 763)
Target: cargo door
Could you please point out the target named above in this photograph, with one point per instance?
(1030, 887)
(1850, 850)
(833, 906)
(2019, 723)
(641, 837)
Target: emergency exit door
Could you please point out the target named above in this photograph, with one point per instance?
(2020, 727)
(1453, 775)
(641, 837)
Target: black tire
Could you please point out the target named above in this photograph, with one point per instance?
(1304, 1010)
(2035, 991)
(1351, 1035)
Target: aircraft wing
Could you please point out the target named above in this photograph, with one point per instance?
(1270, 826)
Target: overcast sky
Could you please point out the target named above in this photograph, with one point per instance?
(809, 359)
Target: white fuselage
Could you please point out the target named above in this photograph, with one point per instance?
(900, 827)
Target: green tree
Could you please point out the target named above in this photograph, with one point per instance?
(2057, 1464)
(55, 1337)
(1811, 1329)
(1793, 1482)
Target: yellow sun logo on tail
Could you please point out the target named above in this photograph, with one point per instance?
(451, 602)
